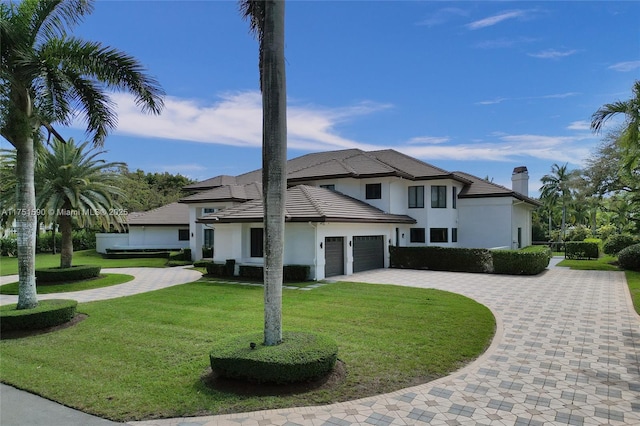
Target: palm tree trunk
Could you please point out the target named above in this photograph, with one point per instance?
(66, 231)
(26, 222)
(274, 157)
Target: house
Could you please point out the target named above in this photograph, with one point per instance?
(345, 208)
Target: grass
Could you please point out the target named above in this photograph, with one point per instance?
(633, 280)
(9, 265)
(601, 264)
(142, 356)
(105, 280)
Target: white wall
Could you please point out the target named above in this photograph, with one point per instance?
(162, 237)
(196, 235)
(485, 222)
(107, 241)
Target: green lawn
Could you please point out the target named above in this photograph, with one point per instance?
(9, 265)
(633, 280)
(601, 264)
(142, 356)
(105, 280)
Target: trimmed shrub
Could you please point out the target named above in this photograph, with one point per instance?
(216, 269)
(136, 254)
(296, 273)
(581, 250)
(9, 246)
(48, 313)
(300, 357)
(172, 263)
(578, 233)
(515, 262)
(617, 242)
(251, 272)
(202, 263)
(629, 258)
(75, 273)
(441, 259)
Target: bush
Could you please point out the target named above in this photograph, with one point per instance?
(300, 357)
(629, 258)
(75, 273)
(216, 269)
(251, 272)
(9, 246)
(83, 239)
(578, 233)
(617, 242)
(48, 313)
(515, 262)
(172, 263)
(605, 231)
(135, 254)
(296, 273)
(202, 263)
(441, 259)
(581, 250)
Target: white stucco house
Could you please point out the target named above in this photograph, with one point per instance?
(345, 208)
(343, 211)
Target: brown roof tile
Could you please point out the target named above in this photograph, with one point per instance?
(310, 204)
(483, 188)
(170, 214)
(247, 192)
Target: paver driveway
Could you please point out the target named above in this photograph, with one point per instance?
(566, 351)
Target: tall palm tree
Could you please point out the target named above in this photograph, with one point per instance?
(266, 19)
(557, 186)
(630, 136)
(46, 78)
(77, 185)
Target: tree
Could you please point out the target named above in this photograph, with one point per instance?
(630, 136)
(75, 185)
(557, 186)
(267, 22)
(49, 78)
(146, 191)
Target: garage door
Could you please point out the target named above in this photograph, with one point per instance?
(333, 256)
(368, 253)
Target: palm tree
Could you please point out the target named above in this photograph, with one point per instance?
(266, 19)
(630, 136)
(556, 186)
(77, 185)
(48, 78)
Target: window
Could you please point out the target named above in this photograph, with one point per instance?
(454, 197)
(416, 197)
(438, 235)
(454, 235)
(373, 191)
(438, 197)
(331, 187)
(257, 240)
(208, 238)
(207, 210)
(183, 235)
(417, 235)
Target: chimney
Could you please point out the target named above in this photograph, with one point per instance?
(520, 180)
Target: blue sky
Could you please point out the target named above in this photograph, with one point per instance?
(479, 87)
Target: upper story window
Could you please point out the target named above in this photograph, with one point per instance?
(257, 241)
(373, 191)
(331, 187)
(207, 210)
(454, 197)
(416, 197)
(438, 196)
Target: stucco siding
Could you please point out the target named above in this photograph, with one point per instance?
(485, 222)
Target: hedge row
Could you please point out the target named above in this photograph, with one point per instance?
(629, 258)
(48, 313)
(300, 357)
(581, 250)
(136, 254)
(512, 262)
(74, 273)
(291, 273)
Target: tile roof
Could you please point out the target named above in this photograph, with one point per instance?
(310, 204)
(211, 183)
(250, 191)
(483, 188)
(170, 214)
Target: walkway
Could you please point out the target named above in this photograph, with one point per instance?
(566, 351)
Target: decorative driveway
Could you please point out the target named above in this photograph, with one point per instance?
(566, 351)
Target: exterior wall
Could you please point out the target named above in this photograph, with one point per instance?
(485, 222)
(164, 237)
(227, 242)
(522, 219)
(196, 235)
(107, 241)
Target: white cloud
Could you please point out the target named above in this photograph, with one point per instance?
(579, 125)
(502, 43)
(442, 16)
(428, 140)
(495, 19)
(528, 98)
(625, 66)
(236, 119)
(553, 54)
(180, 168)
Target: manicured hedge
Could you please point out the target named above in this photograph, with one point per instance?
(581, 250)
(216, 269)
(615, 243)
(629, 258)
(184, 254)
(291, 273)
(48, 313)
(300, 357)
(515, 262)
(136, 254)
(441, 259)
(75, 273)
